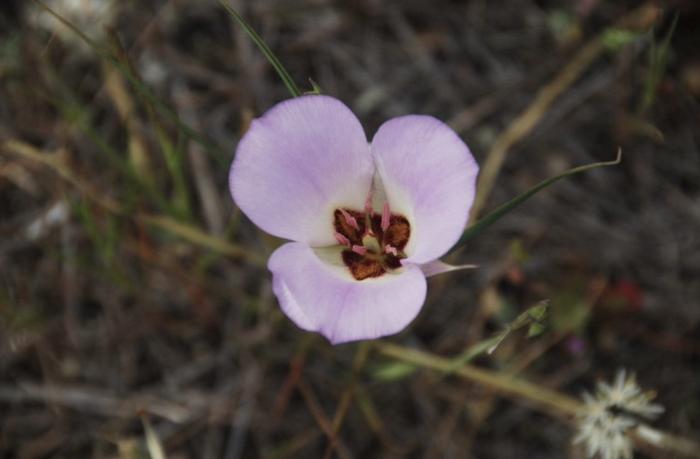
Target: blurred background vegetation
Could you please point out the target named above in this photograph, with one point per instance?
(136, 315)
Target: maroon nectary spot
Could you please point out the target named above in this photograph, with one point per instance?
(398, 232)
(361, 266)
(372, 249)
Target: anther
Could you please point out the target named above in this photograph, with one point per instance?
(350, 220)
(386, 216)
(391, 250)
(342, 240)
(359, 249)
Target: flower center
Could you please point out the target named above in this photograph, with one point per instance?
(373, 242)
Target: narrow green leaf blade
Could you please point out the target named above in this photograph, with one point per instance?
(658, 60)
(394, 371)
(272, 59)
(503, 209)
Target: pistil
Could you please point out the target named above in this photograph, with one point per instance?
(370, 241)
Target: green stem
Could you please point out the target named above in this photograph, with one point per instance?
(281, 71)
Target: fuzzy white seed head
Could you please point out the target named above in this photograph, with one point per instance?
(610, 414)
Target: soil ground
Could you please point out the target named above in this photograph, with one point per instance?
(133, 293)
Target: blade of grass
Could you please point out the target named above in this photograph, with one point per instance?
(639, 18)
(213, 149)
(174, 156)
(198, 237)
(346, 398)
(658, 59)
(271, 58)
(393, 371)
(503, 209)
(103, 230)
(187, 232)
(77, 113)
(81, 117)
(104, 241)
(123, 103)
(172, 152)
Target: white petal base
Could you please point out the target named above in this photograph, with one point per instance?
(324, 297)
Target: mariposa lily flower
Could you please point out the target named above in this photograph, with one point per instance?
(368, 221)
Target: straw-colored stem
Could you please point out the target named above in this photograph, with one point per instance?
(550, 401)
